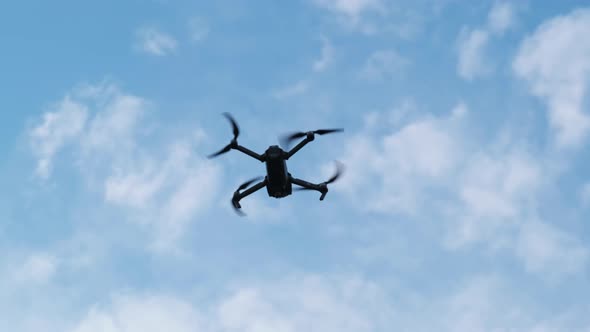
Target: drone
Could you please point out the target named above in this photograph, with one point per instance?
(278, 181)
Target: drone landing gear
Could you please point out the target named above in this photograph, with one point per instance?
(238, 195)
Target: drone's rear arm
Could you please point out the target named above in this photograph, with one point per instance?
(322, 188)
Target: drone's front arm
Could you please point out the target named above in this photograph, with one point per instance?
(239, 195)
(310, 137)
(248, 152)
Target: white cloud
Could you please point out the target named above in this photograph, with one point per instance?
(160, 187)
(134, 188)
(195, 184)
(490, 303)
(422, 151)
(478, 192)
(114, 125)
(473, 43)
(141, 183)
(351, 8)
(308, 303)
(436, 147)
(155, 42)
(383, 64)
(36, 268)
(334, 304)
(291, 90)
(359, 15)
(482, 303)
(58, 128)
(476, 306)
(305, 304)
(495, 191)
(555, 61)
(499, 196)
(95, 120)
(142, 314)
(550, 251)
(326, 57)
(472, 47)
(501, 17)
(198, 29)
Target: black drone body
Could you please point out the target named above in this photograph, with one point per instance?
(278, 181)
(277, 176)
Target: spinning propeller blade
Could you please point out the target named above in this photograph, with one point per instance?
(234, 125)
(288, 138)
(249, 182)
(236, 131)
(235, 203)
(328, 131)
(220, 152)
(237, 208)
(339, 170)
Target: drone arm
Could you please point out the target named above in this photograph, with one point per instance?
(322, 188)
(249, 152)
(308, 138)
(238, 196)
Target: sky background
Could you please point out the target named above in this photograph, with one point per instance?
(463, 207)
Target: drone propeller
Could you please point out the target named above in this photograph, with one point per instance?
(249, 182)
(236, 204)
(220, 152)
(339, 171)
(234, 125)
(238, 209)
(287, 139)
(236, 132)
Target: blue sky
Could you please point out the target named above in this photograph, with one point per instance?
(463, 206)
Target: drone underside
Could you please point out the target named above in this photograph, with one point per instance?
(278, 181)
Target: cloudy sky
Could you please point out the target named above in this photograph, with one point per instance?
(464, 206)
